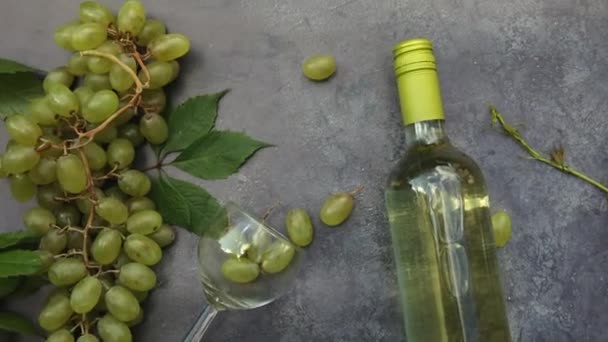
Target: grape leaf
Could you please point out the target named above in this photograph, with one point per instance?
(16, 90)
(218, 154)
(185, 204)
(19, 262)
(10, 67)
(10, 239)
(191, 120)
(8, 286)
(14, 322)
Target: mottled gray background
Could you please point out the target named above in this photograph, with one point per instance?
(543, 63)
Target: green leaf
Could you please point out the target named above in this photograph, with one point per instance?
(19, 262)
(14, 322)
(16, 90)
(185, 204)
(10, 67)
(8, 285)
(10, 239)
(191, 120)
(218, 154)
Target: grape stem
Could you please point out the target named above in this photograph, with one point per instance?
(139, 86)
(92, 194)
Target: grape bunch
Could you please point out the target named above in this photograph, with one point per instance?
(73, 150)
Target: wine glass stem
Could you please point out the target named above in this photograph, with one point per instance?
(202, 323)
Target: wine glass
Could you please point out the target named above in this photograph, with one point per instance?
(228, 262)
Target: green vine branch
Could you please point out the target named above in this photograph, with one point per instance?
(556, 159)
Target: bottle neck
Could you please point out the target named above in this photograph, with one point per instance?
(429, 132)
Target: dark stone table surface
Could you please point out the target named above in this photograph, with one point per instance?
(543, 63)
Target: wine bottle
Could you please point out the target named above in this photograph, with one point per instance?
(438, 210)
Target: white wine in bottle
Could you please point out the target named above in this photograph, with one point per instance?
(439, 216)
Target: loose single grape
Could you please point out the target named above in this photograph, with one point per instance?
(154, 100)
(63, 34)
(71, 174)
(111, 329)
(299, 227)
(19, 159)
(277, 257)
(120, 153)
(85, 295)
(241, 270)
(122, 304)
(40, 112)
(78, 65)
(83, 94)
(62, 100)
(87, 338)
(142, 249)
(102, 65)
(144, 222)
(59, 75)
(67, 215)
(76, 239)
(501, 227)
(46, 258)
(97, 82)
(163, 236)
(106, 246)
(131, 132)
(154, 128)
(131, 17)
(114, 191)
(23, 130)
(88, 36)
(137, 319)
(54, 241)
(84, 203)
(100, 106)
(120, 79)
(96, 156)
(126, 116)
(61, 335)
(39, 220)
(134, 183)
(47, 196)
(337, 208)
(136, 204)
(152, 29)
(67, 271)
(319, 67)
(122, 259)
(137, 277)
(168, 47)
(56, 312)
(161, 74)
(109, 134)
(22, 187)
(44, 172)
(94, 12)
(112, 210)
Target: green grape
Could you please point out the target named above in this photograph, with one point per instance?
(140, 295)
(61, 335)
(114, 191)
(168, 47)
(95, 155)
(277, 257)
(134, 183)
(107, 135)
(241, 270)
(107, 282)
(47, 196)
(71, 174)
(131, 17)
(62, 100)
(319, 67)
(126, 116)
(44, 172)
(111, 329)
(137, 320)
(137, 277)
(76, 240)
(3, 172)
(144, 222)
(501, 227)
(54, 241)
(152, 29)
(22, 187)
(112, 210)
(120, 152)
(106, 246)
(154, 100)
(78, 65)
(94, 12)
(63, 34)
(40, 112)
(59, 75)
(337, 208)
(85, 295)
(56, 311)
(88, 36)
(154, 128)
(67, 215)
(142, 249)
(87, 338)
(97, 82)
(39, 220)
(122, 259)
(299, 227)
(84, 204)
(120, 79)
(163, 236)
(52, 152)
(46, 258)
(19, 159)
(102, 65)
(174, 70)
(23, 130)
(67, 271)
(83, 94)
(136, 204)
(122, 304)
(100, 106)
(161, 74)
(131, 132)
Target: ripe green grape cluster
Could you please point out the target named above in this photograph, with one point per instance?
(73, 150)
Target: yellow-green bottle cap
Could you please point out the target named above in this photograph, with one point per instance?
(417, 81)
